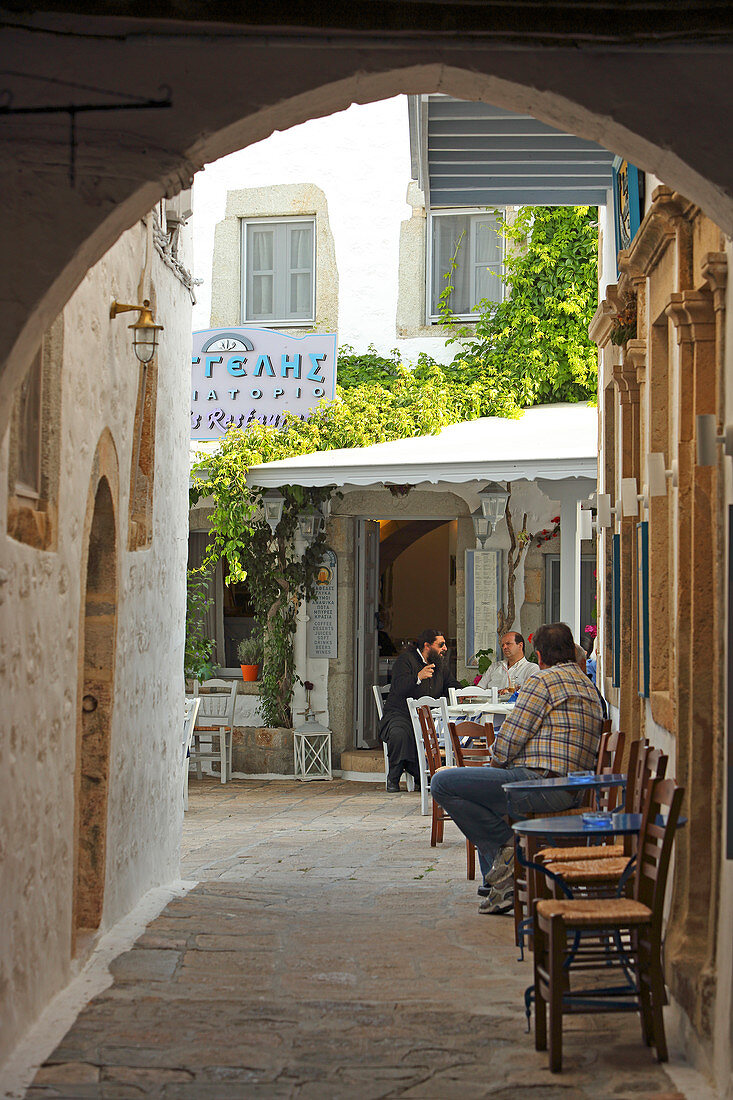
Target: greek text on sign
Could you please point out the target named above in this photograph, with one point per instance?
(322, 637)
(239, 375)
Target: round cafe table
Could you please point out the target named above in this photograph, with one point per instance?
(561, 783)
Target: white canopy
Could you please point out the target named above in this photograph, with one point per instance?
(547, 441)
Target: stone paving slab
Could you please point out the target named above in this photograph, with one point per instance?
(327, 953)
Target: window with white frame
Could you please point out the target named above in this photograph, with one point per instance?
(473, 243)
(278, 266)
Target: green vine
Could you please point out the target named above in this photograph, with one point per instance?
(197, 660)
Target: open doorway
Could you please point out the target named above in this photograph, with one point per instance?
(94, 719)
(405, 582)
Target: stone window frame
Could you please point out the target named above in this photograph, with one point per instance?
(32, 515)
(278, 201)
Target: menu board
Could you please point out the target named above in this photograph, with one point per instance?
(322, 610)
(482, 601)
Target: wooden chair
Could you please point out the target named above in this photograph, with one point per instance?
(609, 762)
(474, 694)
(437, 709)
(216, 722)
(645, 764)
(381, 691)
(471, 756)
(594, 932)
(434, 761)
(530, 884)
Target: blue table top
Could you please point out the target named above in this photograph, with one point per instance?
(573, 825)
(567, 783)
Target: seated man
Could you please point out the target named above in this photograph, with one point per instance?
(419, 670)
(555, 728)
(511, 672)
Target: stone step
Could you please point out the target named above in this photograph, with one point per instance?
(362, 760)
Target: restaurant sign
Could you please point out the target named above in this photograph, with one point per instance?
(239, 375)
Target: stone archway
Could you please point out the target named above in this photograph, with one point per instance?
(233, 84)
(98, 622)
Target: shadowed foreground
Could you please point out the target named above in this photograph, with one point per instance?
(328, 952)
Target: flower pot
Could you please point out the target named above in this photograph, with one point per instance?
(249, 672)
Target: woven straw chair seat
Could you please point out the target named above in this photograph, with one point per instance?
(600, 912)
(601, 851)
(590, 870)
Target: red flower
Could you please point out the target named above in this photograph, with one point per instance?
(555, 519)
(529, 639)
(477, 680)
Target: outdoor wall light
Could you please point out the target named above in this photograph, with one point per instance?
(707, 438)
(631, 498)
(273, 504)
(309, 524)
(658, 475)
(144, 331)
(483, 528)
(585, 522)
(493, 502)
(604, 510)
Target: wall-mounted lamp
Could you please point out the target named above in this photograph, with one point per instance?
(273, 504)
(144, 331)
(309, 524)
(708, 438)
(493, 503)
(585, 522)
(482, 527)
(604, 510)
(631, 498)
(658, 475)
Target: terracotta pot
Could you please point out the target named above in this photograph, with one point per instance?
(249, 672)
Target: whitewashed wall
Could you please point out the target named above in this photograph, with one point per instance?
(39, 645)
(361, 159)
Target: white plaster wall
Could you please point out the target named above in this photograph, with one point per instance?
(361, 159)
(39, 645)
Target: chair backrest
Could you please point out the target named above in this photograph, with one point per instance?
(661, 813)
(610, 753)
(190, 712)
(430, 738)
(217, 700)
(467, 756)
(381, 691)
(471, 694)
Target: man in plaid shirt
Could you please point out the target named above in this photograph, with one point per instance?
(555, 728)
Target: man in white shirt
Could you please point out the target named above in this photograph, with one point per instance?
(511, 673)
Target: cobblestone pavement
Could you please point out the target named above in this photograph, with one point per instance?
(328, 952)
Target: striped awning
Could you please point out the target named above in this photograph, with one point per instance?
(467, 154)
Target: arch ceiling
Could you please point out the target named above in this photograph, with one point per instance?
(586, 68)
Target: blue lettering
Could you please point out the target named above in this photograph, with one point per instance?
(314, 374)
(212, 395)
(318, 391)
(264, 363)
(255, 393)
(277, 392)
(236, 367)
(286, 364)
(210, 360)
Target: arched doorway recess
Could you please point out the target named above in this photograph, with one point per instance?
(97, 639)
(231, 86)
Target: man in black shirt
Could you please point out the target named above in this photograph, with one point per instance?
(419, 670)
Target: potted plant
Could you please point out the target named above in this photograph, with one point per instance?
(249, 652)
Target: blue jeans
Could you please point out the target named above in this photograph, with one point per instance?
(474, 799)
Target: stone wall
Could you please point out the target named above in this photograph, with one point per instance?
(42, 616)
